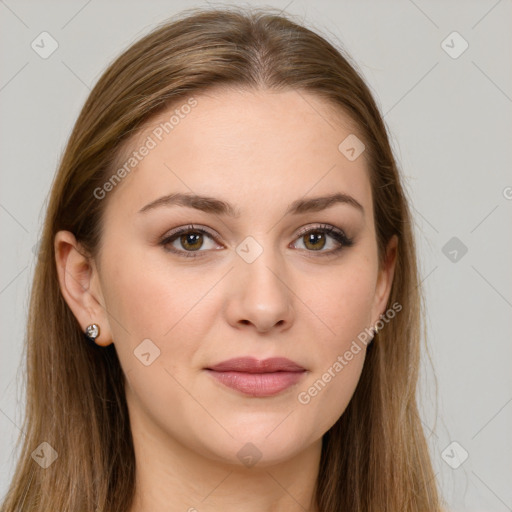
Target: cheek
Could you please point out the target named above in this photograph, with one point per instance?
(326, 395)
(342, 304)
(155, 316)
(149, 301)
(342, 301)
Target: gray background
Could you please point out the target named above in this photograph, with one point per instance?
(450, 124)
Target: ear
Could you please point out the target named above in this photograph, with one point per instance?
(385, 280)
(80, 285)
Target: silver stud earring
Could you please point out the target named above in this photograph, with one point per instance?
(92, 331)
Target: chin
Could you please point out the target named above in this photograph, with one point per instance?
(258, 447)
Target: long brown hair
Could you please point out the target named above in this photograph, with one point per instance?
(375, 458)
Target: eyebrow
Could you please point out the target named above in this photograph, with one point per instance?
(219, 207)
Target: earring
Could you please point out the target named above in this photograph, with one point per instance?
(92, 332)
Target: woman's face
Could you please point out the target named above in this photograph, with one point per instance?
(268, 282)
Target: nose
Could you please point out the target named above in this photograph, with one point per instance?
(260, 297)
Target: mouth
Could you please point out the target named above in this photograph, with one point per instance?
(257, 378)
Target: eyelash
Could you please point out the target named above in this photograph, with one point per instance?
(327, 229)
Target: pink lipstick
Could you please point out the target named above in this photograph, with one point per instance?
(257, 378)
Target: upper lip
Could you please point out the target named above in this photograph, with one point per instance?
(253, 365)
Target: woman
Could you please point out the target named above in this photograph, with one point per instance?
(225, 312)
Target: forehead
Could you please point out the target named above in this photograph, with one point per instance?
(241, 145)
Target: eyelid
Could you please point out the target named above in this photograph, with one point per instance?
(318, 227)
(189, 227)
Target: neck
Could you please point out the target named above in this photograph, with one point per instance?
(172, 477)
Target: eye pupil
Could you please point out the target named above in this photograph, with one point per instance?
(310, 238)
(190, 241)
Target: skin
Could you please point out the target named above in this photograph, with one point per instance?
(259, 151)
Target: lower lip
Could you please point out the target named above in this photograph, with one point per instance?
(258, 384)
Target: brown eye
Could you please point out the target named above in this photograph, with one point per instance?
(189, 240)
(325, 236)
(314, 240)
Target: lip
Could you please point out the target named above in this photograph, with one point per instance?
(257, 378)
